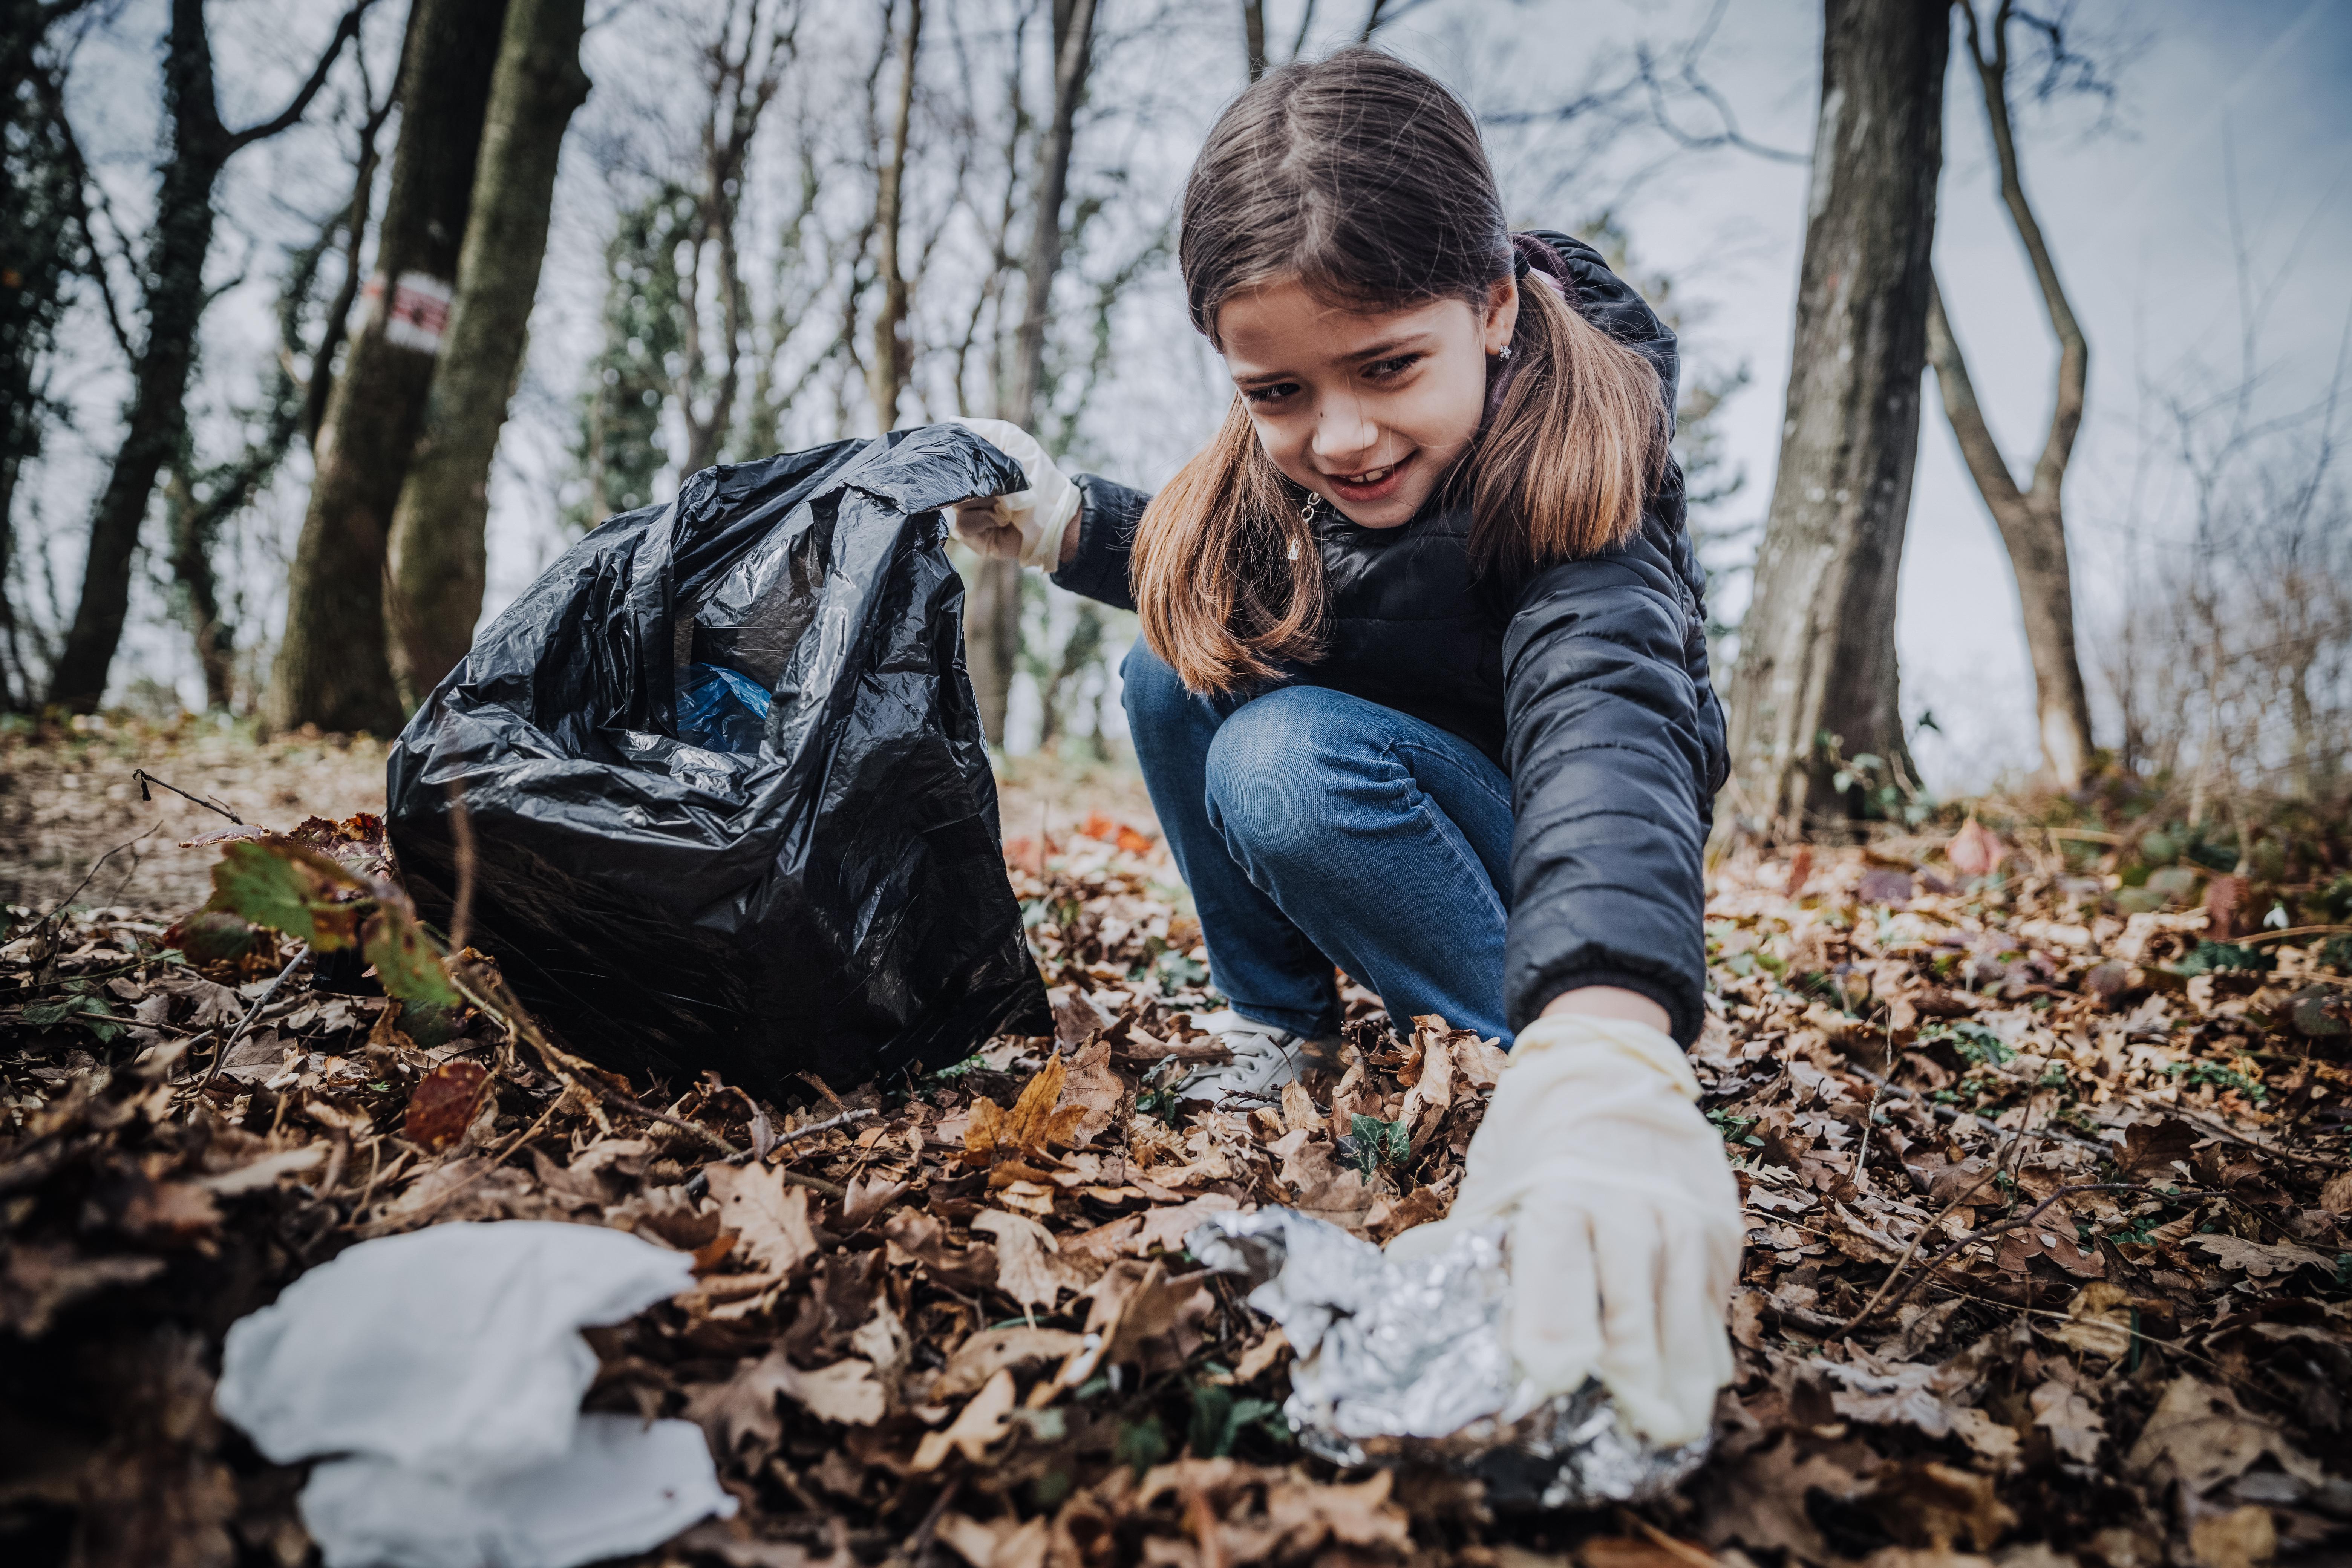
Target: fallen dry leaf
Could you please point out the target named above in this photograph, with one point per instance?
(769, 1216)
(980, 1423)
(443, 1104)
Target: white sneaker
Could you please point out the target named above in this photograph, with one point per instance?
(1265, 1058)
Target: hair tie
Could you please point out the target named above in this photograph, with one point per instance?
(1530, 253)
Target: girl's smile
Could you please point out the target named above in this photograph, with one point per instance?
(1368, 409)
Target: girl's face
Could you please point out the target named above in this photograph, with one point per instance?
(1367, 409)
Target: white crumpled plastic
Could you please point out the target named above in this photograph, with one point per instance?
(441, 1372)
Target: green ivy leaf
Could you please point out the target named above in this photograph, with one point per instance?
(279, 884)
(407, 962)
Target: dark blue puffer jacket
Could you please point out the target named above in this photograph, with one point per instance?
(1587, 684)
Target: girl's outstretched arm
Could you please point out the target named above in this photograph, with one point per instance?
(1610, 760)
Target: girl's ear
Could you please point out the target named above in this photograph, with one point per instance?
(1502, 315)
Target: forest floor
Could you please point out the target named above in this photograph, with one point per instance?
(2047, 1180)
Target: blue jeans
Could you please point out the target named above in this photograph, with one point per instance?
(1316, 828)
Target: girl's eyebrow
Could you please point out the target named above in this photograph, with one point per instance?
(1358, 356)
(1383, 350)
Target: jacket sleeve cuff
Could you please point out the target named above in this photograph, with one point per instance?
(1686, 1009)
(1107, 514)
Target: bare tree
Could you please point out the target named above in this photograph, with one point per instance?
(174, 300)
(742, 77)
(438, 550)
(1816, 679)
(886, 372)
(2031, 518)
(993, 622)
(43, 224)
(334, 664)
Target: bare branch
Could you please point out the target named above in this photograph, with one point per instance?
(2073, 350)
(345, 31)
(1981, 452)
(84, 187)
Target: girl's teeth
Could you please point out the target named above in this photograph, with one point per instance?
(1375, 476)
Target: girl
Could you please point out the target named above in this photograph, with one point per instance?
(1423, 690)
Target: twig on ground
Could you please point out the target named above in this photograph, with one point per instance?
(1946, 1113)
(494, 999)
(49, 922)
(146, 778)
(699, 1182)
(2015, 1222)
(220, 1057)
(1681, 1552)
(461, 844)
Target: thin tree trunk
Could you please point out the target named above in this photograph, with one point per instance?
(1817, 669)
(438, 550)
(321, 384)
(993, 625)
(2033, 530)
(739, 97)
(40, 231)
(199, 502)
(885, 373)
(155, 419)
(334, 665)
(2033, 520)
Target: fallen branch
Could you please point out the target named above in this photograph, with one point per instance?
(146, 778)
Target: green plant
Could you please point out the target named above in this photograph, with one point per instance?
(293, 889)
(1735, 1128)
(1372, 1143)
(1973, 1041)
(1140, 1444)
(1218, 1418)
(2193, 1074)
(81, 1005)
(2220, 957)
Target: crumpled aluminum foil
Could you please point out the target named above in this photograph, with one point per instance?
(1403, 1362)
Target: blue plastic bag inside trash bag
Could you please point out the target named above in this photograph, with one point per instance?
(720, 710)
(674, 881)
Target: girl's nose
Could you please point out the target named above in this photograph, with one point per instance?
(1343, 435)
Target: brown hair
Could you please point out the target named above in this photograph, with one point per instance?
(1364, 179)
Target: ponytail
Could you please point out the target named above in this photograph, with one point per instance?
(1574, 446)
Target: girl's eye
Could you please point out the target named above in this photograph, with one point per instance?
(1388, 369)
(1274, 394)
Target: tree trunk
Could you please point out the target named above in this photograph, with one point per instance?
(438, 550)
(334, 667)
(2032, 520)
(155, 421)
(885, 374)
(1816, 677)
(2032, 527)
(992, 623)
(39, 232)
(155, 418)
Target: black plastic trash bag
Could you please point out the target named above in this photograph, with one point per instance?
(730, 801)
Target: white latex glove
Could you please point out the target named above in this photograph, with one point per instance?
(1624, 1221)
(1026, 526)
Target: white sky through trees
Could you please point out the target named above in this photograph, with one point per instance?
(2136, 195)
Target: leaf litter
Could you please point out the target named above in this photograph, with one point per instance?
(2047, 1256)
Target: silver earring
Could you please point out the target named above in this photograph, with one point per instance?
(1503, 353)
(1307, 516)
